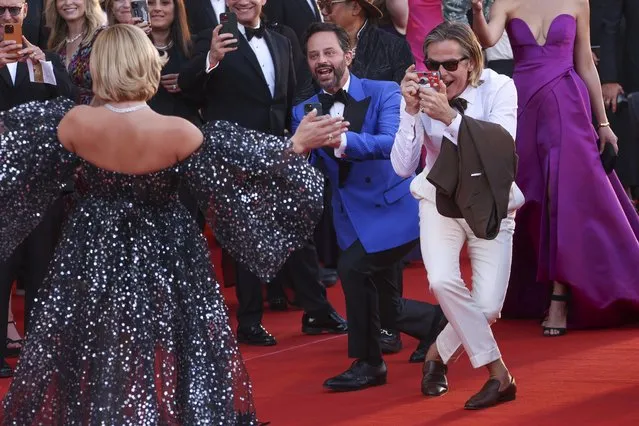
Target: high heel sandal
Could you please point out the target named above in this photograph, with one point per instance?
(555, 331)
(12, 352)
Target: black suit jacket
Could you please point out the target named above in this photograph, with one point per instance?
(201, 15)
(236, 90)
(25, 91)
(619, 62)
(296, 14)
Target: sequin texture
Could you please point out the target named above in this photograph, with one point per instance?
(130, 327)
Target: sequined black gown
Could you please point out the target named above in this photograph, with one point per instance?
(130, 327)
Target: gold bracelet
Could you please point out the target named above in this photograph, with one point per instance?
(606, 124)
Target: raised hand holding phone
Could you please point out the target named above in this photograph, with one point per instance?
(434, 102)
(221, 44)
(9, 52)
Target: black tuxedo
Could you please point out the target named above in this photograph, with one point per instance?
(296, 14)
(619, 63)
(236, 90)
(201, 15)
(25, 91)
(29, 262)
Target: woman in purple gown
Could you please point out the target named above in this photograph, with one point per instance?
(578, 230)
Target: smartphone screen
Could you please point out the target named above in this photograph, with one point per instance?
(140, 9)
(229, 25)
(13, 32)
(311, 106)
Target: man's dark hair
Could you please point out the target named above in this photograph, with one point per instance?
(327, 27)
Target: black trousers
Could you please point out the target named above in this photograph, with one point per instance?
(301, 272)
(29, 264)
(371, 285)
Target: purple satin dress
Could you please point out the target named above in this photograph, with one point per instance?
(577, 226)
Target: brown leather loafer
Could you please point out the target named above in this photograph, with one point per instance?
(489, 395)
(434, 381)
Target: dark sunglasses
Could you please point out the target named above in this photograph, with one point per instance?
(328, 4)
(448, 65)
(13, 10)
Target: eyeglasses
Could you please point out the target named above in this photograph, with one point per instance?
(13, 10)
(451, 65)
(328, 4)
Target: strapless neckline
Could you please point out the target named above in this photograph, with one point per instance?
(550, 27)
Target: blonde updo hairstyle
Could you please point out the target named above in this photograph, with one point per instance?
(124, 65)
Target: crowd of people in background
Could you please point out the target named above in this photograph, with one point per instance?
(558, 80)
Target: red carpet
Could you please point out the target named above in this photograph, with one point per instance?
(584, 378)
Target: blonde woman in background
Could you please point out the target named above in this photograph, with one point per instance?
(74, 26)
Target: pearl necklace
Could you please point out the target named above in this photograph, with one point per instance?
(127, 109)
(74, 38)
(165, 47)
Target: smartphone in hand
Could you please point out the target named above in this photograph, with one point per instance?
(140, 9)
(229, 25)
(13, 32)
(311, 106)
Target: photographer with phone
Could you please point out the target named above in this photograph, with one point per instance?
(17, 55)
(134, 12)
(445, 119)
(367, 195)
(244, 73)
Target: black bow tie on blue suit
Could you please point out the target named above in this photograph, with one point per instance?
(255, 32)
(327, 100)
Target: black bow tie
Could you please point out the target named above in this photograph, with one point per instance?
(328, 100)
(459, 103)
(255, 32)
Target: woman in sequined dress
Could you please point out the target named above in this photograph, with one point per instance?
(74, 26)
(130, 326)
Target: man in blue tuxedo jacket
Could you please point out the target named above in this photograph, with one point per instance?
(373, 212)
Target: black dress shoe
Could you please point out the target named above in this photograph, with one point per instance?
(361, 375)
(255, 335)
(434, 382)
(278, 304)
(328, 277)
(331, 322)
(390, 341)
(419, 355)
(5, 369)
(489, 395)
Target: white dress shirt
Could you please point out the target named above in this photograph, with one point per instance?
(494, 100)
(500, 51)
(264, 58)
(337, 110)
(219, 7)
(13, 69)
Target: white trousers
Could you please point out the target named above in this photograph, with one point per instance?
(469, 312)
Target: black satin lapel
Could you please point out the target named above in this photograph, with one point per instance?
(22, 73)
(4, 72)
(278, 62)
(355, 114)
(245, 49)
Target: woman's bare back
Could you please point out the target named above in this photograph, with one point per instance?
(138, 142)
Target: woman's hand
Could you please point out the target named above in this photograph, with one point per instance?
(170, 83)
(145, 26)
(410, 90)
(434, 103)
(606, 135)
(316, 132)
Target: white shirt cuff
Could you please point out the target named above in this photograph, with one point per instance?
(208, 67)
(340, 152)
(452, 132)
(406, 120)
